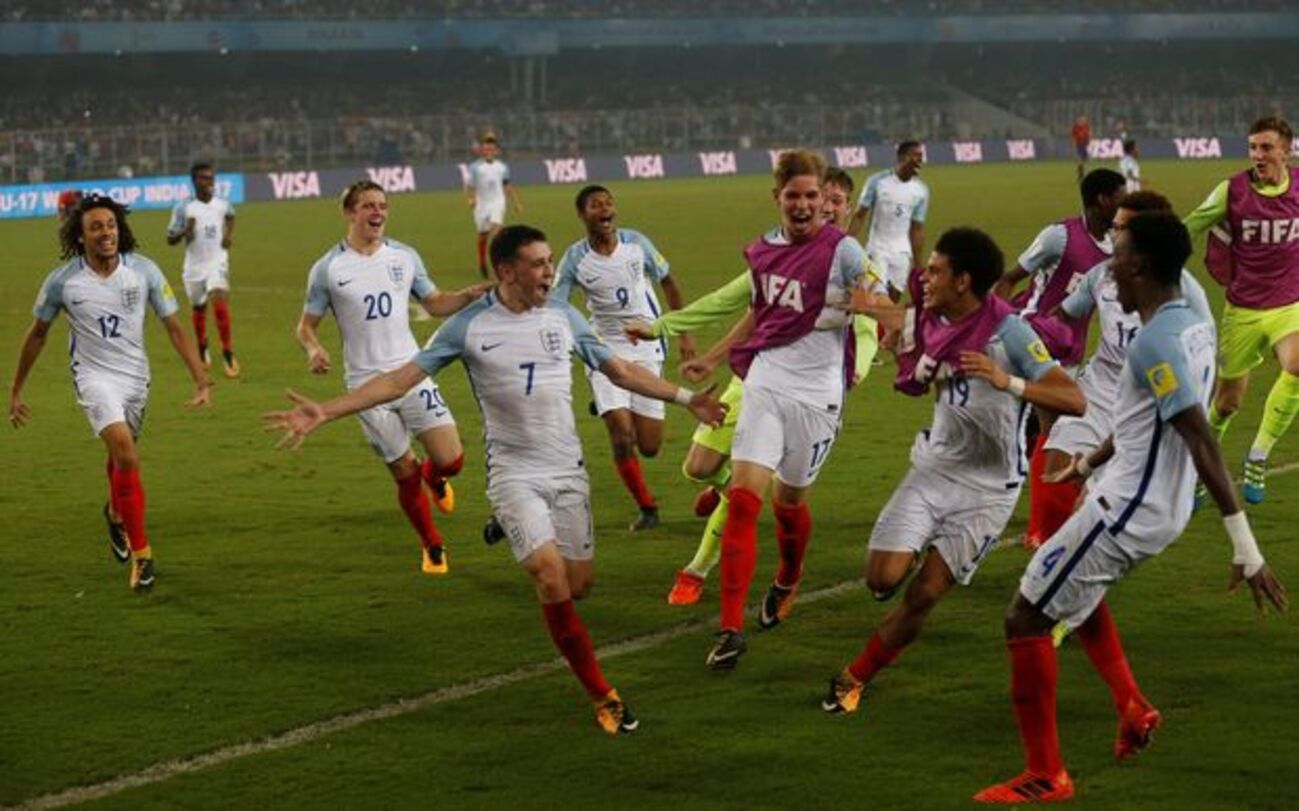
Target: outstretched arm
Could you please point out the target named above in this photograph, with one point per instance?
(676, 301)
(189, 354)
(702, 366)
(33, 343)
(442, 303)
(634, 377)
(1055, 391)
(1005, 286)
(309, 415)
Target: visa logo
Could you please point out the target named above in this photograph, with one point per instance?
(1021, 150)
(294, 185)
(1198, 147)
(850, 157)
(644, 166)
(566, 170)
(717, 163)
(393, 179)
(967, 151)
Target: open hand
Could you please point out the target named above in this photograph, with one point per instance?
(1263, 586)
(707, 408)
(306, 417)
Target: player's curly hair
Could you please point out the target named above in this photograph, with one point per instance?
(974, 253)
(1163, 242)
(71, 233)
(1145, 200)
(798, 162)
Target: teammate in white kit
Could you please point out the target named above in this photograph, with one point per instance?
(897, 203)
(1139, 504)
(1128, 166)
(105, 288)
(985, 365)
(517, 347)
(206, 224)
(366, 280)
(486, 187)
(615, 268)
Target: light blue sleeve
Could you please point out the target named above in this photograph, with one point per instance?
(586, 344)
(1195, 296)
(565, 275)
(421, 286)
(50, 299)
(849, 263)
(318, 301)
(1157, 362)
(177, 223)
(1046, 250)
(161, 297)
(1083, 299)
(656, 265)
(1028, 356)
(448, 343)
(922, 205)
(505, 176)
(867, 199)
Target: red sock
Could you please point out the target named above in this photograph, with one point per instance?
(1053, 504)
(629, 470)
(1033, 670)
(199, 316)
(222, 312)
(739, 555)
(1099, 636)
(570, 636)
(874, 657)
(414, 502)
(128, 500)
(1036, 466)
(482, 250)
(436, 475)
(793, 531)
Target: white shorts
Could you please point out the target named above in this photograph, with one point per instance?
(784, 435)
(961, 523)
(1070, 573)
(489, 216)
(534, 512)
(1080, 434)
(895, 265)
(216, 277)
(609, 397)
(108, 400)
(389, 426)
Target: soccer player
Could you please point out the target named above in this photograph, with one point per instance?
(1129, 166)
(206, 224)
(486, 187)
(516, 347)
(1081, 135)
(105, 288)
(1137, 506)
(1058, 260)
(985, 363)
(897, 202)
(366, 280)
(614, 267)
(1260, 207)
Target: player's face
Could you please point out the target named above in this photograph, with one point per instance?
(1124, 267)
(489, 151)
(942, 285)
(835, 206)
(799, 201)
(99, 233)
(598, 214)
(368, 216)
(531, 272)
(204, 184)
(1268, 153)
(911, 161)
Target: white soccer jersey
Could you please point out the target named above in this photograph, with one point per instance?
(488, 180)
(521, 373)
(204, 251)
(1147, 485)
(1043, 255)
(977, 435)
(894, 203)
(810, 369)
(1131, 171)
(106, 315)
(618, 289)
(368, 295)
(1099, 379)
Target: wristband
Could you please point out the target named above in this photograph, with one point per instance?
(683, 395)
(1244, 548)
(1083, 467)
(1016, 386)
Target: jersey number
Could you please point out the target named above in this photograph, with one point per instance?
(958, 391)
(531, 369)
(108, 326)
(622, 296)
(377, 307)
(433, 401)
(819, 451)
(1126, 335)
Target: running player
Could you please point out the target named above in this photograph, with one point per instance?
(105, 288)
(1260, 206)
(1137, 507)
(516, 347)
(1129, 166)
(614, 267)
(1058, 260)
(366, 280)
(985, 364)
(486, 187)
(1081, 135)
(897, 203)
(206, 224)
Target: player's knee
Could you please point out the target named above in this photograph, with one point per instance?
(697, 470)
(580, 589)
(449, 469)
(404, 467)
(882, 584)
(1021, 618)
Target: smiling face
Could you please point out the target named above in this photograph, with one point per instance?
(943, 286)
(799, 201)
(204, 184)
(598, 214)
(99, 234)
(909, 162)
(836, 207)
(530, 273)
(1268, 153)
(368, 217)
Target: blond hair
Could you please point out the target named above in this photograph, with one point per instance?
(798, 162)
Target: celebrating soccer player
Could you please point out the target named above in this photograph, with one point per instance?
(1138, 505)
(985, 362)
(897, 202)
(206, 224)
(614, 267)
(1260, 268)
(486, 187)
(105, 288)
(516, 347)
(366, 280)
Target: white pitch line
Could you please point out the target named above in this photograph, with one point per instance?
(307, 733)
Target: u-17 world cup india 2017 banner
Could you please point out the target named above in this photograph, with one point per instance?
(163, 192)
